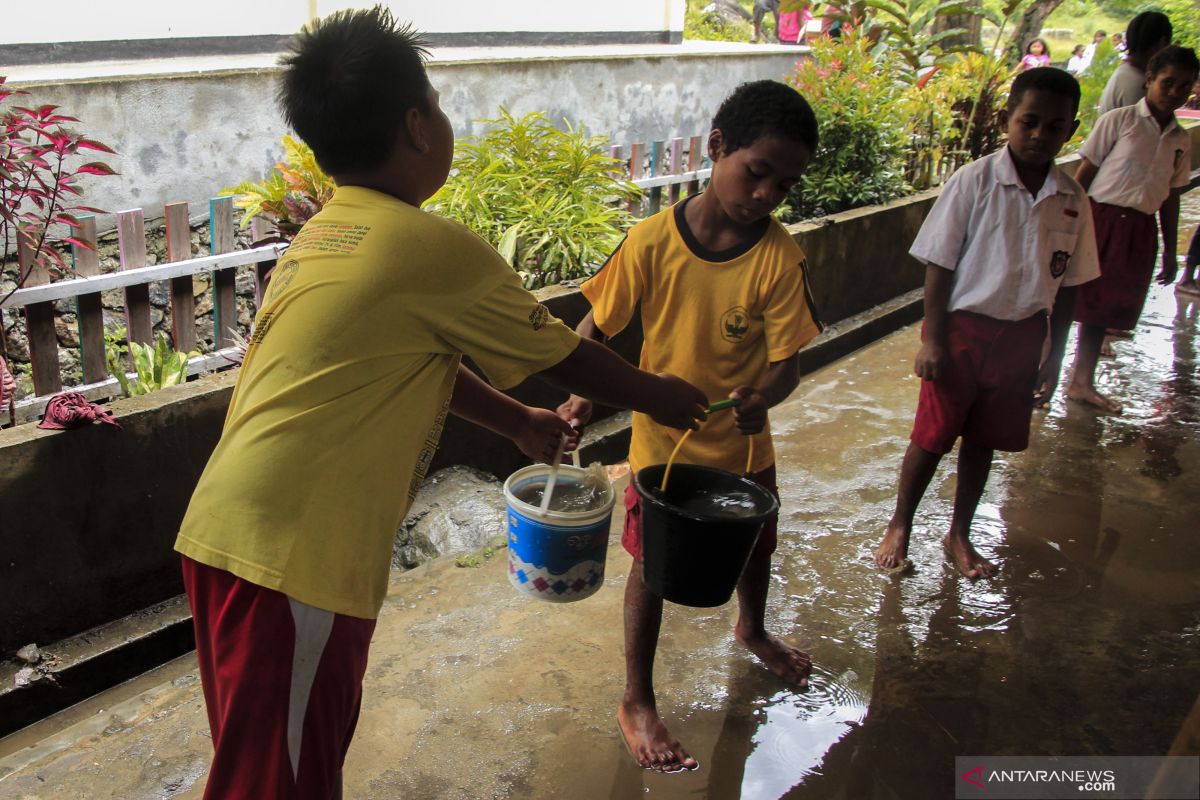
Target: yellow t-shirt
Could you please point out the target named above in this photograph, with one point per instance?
(714, 319)
(343, 392)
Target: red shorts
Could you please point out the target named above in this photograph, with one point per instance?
(1127, 243)
(631, 536)
(282, 684)
(986, 393)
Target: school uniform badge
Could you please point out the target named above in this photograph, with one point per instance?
(539, 317)
(735, 324)
(1058, 263)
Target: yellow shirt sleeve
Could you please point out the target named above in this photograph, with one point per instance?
(509, 334)
(789, 318)
(614, 291)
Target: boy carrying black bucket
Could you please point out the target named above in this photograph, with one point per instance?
(338, 407)
(725, 303)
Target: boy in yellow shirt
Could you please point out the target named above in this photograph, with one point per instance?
(725, 303)
(352, 367)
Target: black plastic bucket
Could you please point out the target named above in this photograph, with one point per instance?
(689, 558)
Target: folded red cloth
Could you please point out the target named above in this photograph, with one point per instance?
(72, 410)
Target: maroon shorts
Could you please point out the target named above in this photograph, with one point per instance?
(1127, 243)
(631, 536)
(282, 684)
(986, 393)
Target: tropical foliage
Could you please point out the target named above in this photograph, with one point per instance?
(155, 366)
(860, 157)
(549, 200)
(907, 27)
(293, 193)
(1091, 86)
(39, 181)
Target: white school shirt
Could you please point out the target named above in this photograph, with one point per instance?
(1139, 161)
(1009, 250)
(1125, 87)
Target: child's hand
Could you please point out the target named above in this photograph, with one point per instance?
(1046, 384)
(676, 403)
(750, 414)
(541, 433)
(931, 361)
(577, 411)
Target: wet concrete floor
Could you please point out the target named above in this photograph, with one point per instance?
(1086, 643)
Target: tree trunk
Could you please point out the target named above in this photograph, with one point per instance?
(973, 23)
(1030, 27)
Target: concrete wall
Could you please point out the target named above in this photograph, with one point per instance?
(85, 21)
(185, 135)
(90, 515)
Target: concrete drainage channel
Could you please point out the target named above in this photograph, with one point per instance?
(69, 671)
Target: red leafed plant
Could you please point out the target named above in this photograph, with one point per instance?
(39, 194)
(38, 181)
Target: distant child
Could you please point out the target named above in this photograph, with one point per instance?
(1135, 164)
(1005, 244)
(1090, 51)
(724, 300)
(1037, 54)
(1078, 62)
(354, 363)
(1149, 32)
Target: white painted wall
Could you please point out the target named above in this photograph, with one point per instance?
(90, 21)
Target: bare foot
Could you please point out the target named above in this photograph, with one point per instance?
(892, 552)
(648, 740)
(969, 562)
(1106, 348)
(1187, 287)
(789, 663)
(1088, 396)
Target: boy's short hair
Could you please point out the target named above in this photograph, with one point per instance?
(765, 108)
(1147, 29)
(1044, 79)
(348, 80)
(1174, 56)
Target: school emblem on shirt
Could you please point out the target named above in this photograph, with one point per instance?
(539, 317)
(735, 323)
(281, 276)
(1058, 263)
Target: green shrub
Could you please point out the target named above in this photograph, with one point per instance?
(701, 20)
(155, 367)
(549, 200)
(291, 195)
(863, 130)
(1091, 86)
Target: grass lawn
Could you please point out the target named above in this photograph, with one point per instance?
(1082, 27)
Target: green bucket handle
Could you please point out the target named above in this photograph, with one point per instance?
(720, 405)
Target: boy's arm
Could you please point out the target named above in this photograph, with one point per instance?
(594, 371)
(782, 378)
(535, 430)
(578, 410)
(1168, 220)
(1060, 327)
(931, 361)
(1085, 173)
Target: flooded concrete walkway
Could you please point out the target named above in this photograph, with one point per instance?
(1086, 643)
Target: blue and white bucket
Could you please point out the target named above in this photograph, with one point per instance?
(557, 556)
